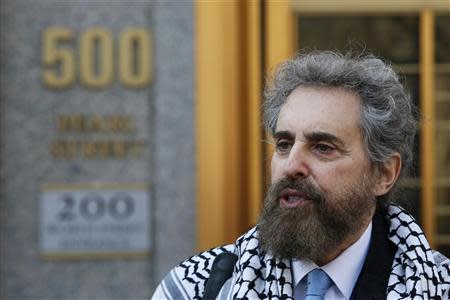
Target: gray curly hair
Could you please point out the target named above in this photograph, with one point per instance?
(388, 121)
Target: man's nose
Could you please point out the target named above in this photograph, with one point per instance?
(297, 165)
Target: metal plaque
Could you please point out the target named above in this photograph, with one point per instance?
(84, 220)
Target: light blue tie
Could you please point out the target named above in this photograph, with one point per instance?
(317, 284)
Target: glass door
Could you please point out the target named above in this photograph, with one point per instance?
(442, 113)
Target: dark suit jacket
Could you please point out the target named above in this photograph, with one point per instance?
(373, 279)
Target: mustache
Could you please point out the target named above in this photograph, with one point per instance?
(303, 185)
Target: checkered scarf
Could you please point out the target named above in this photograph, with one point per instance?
(417, 271)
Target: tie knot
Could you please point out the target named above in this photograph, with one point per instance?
(318, 283)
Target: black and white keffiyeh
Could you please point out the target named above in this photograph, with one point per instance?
(417, 271)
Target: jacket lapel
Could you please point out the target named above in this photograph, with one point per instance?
(373, 279)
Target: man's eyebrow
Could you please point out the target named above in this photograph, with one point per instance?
(317, 136)
(283, 134)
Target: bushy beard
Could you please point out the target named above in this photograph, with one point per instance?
(317, 227)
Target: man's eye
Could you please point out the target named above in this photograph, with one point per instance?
(283, 146)
(324, 148)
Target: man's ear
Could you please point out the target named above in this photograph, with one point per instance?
(387, 174)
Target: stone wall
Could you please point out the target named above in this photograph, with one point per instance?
(161, 115)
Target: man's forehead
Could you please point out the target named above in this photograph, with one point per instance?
(334, 95)
(328, 110)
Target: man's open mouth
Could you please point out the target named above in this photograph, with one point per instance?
(290, 198)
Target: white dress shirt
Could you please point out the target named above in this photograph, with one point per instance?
(343, 270)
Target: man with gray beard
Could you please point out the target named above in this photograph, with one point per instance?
(343, 130)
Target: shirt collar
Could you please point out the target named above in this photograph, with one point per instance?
(351, 260)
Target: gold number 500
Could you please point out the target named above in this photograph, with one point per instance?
(96, 58)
